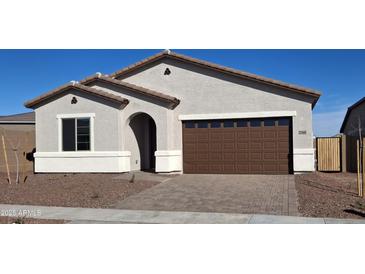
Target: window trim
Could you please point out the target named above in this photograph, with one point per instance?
(91, 116)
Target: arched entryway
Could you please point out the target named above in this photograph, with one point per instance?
(144, 130)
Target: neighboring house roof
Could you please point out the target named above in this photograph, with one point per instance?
(147, 92)
(349, 109)
(79, 87)
(235, 72)
(21, 118)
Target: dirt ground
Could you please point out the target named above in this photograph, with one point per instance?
(70, 190)
(319, 194)
(12, 220)
(329, 195)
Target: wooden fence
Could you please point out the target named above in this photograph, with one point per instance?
(350, 153)
(24, 142)
(329, 154)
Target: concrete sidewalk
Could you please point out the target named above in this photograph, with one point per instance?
(98, 215)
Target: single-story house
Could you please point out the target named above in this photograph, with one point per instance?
(21, 121)
(354, 119)
(174, 113)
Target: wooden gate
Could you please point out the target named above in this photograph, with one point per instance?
(329, 154)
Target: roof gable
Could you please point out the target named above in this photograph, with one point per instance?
(75, 86)
(348, 112)
(238, 73)
(171, 101)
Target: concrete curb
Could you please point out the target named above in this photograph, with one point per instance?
(101, 215)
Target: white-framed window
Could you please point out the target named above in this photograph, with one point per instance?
(76, 132)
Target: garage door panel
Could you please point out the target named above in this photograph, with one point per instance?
(269, 145)
(283, 156)
(229, 168)
(229, 137)
(215, 168)
(283, 168)
(228, 146)
(243, 168)
(283, 146)
(202, 147)
(269, 168)
(215, 146)
(256, 168)
(202, 138)
(245, 148)
(256, 145)
(189, 168)
(189, 138)
(201, 156)
(215, 156)
(202, 134)
(216, 136)
(242, 145)
(189, 157)
(269, 156)
(190, 147)
(256, 134)
(255, 156)
(242, 134)
(203, 167)
(242, 156)
(283, 134)
(228, 156)
(269, 134)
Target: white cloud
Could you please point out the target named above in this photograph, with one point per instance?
(328, 123)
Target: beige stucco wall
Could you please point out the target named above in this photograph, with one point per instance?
(107, 135)
(204, 91)
(140, 104)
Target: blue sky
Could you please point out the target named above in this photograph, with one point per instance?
(338, 74)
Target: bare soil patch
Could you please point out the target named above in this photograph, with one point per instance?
(70, 190)
(329, 195)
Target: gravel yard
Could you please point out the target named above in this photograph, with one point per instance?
(329, 195)
(319, 194)
(70, 190)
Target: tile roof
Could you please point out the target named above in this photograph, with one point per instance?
(79, 87)
(235, 72)
(141, 90)
(26, 118)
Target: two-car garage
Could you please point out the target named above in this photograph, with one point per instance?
(238, 146)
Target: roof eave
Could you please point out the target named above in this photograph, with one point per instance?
(33, 103)
(17, 122)
(172, 102)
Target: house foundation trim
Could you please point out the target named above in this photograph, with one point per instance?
(303, 159)
(168, 160)
(86, 161)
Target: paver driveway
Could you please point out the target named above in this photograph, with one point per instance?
(264, 194)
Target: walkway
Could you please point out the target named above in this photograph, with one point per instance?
(95, 215)
(238, 193)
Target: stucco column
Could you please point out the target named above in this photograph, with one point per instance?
(168, 158)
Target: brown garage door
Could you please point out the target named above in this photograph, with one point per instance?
(247, 146)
